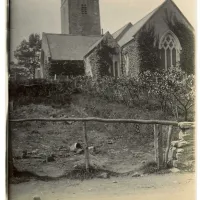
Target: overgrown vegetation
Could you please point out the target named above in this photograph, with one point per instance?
(151, 95)
(171, 91)
(148, 49)
(17, 72)
(148, 43)
(66, 68)
(40, 91)
(105, 60)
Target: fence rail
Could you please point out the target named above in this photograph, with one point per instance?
(93, 119)
(159, 158)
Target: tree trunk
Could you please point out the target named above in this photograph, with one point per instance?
(186, 114)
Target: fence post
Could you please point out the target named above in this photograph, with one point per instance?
(86, 147)
(169, 138)
(158, 145)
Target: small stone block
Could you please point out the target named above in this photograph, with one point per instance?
(175, 163)
(174, 170)
(36, 198)
(180, 150)
(174, 143)
(187, 137)
(186, 125)
(182, 144)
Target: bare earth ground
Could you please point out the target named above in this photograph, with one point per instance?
(152, 187)
(121, 147)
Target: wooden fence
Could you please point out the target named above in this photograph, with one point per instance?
(159, 158)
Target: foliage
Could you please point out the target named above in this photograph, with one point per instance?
(187, 40)
(40, 90)
(148, 49)
(170, 91)
(67, 68)
(174, 90)
(27, 53)
(104, 56)
(18, 72)
(181, 90)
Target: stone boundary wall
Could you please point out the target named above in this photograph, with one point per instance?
(182, 151)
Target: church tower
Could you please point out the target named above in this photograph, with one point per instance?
(80, 17)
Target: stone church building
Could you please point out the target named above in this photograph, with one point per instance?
(76, 50)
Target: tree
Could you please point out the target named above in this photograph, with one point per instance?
(28, 52)
(18, 72)
(175, 88)
(181, 89)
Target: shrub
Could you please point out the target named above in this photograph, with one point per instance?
(40, 90)
(172, 90)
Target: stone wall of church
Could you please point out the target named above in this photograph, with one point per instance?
(45, 54)
(84, 24)
(92, 59)
(158, 20)
(131, 50)
(92, 64)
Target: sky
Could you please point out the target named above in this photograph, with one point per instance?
(37, 16)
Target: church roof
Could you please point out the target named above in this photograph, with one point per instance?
(122, 30)
(129, 34)
(107, 34)
(69, 47)
(96, 43)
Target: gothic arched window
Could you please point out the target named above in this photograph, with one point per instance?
(170, 49)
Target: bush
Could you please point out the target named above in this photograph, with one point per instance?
(173, 90)
(41, 90)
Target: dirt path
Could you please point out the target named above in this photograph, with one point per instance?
(156, 187)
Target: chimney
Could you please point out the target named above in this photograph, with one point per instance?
(102, 31)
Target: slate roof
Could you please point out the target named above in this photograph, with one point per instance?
(69, 47)
(96, 43)
(121, 30)
(128, 34)
(99, 41)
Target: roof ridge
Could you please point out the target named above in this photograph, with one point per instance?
(182, 14)
(100, 38)
(98, 42)
(122, 27)
(151, 12)
(148, 16)
(72, 35)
